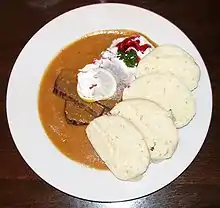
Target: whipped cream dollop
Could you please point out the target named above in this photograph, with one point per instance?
(95, 83)
(108, 76)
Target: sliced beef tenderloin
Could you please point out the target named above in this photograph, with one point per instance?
(65, 85)
(76, 115)
(77, 111)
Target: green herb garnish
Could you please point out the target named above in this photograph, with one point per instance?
(130, 57)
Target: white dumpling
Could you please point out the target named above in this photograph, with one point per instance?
(154, 123)
(171, 59)
(168, 92)
(120, 145)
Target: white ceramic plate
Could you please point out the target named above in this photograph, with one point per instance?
(22, 106)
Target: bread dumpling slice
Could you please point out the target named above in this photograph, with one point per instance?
(120, 145)
(154, 123)
(172, 59)
(168, 92)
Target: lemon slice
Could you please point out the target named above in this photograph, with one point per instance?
(95, 84)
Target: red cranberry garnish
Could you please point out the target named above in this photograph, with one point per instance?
(144, 47)
(130, 42)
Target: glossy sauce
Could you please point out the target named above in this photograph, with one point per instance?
(69, 139)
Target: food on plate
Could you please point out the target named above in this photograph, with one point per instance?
(154, 123)
(96, 84)
(64, 113)
(107, 76)
(77, 111)
(115, 100)
(74, 111)
(120, 145)
(168, 92)
(172, 59)
(64, 85)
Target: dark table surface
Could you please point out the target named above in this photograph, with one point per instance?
(198, 186)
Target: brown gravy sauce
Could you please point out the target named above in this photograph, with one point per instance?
(69, 139)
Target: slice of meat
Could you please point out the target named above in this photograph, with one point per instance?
(76, 115)
(94, 108)
(109, 104)
(65, 85)
(79, 114)
(77, 111)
